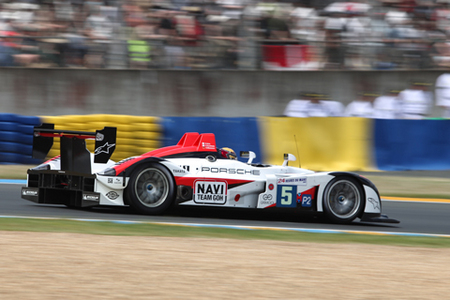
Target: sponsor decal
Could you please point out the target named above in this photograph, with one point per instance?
(375, 203)
(104, 149)
(187, 168)
(210, 192)
(179, 171)
(99, 137)
(231, 171)
(112, 195)
(297, 181)
(206, 145)
(115, 180)
(91, 197)
(267, 199)
(29, 193)
(271, 186)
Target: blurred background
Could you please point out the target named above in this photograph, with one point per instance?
(218, 57)
(226, 34)
(237, 62)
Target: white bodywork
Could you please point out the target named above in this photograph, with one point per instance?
(258, 186)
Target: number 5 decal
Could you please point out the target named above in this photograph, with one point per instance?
(286, 195)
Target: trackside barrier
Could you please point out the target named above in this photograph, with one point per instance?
(320, 144)
(16, 139)
(135, 134)
(240, 134)
(412, 144)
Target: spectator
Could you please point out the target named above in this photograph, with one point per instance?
(335, 108)
(363, 107)
(139, 54)
(7, 53)
(30, 52)
(313, 105)
(274, 25)
(133, 15)
(334, 51)
(99, 29)
(387, 106)
(175, 57)
(415, 102)
(442, 94)
(297, 107)
(167, 24)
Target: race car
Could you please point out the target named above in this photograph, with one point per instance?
(193, 172)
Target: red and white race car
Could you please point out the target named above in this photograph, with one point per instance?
(193, 172)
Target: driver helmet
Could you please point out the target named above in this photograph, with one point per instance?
(229, 153)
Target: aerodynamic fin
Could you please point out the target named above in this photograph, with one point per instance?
(42, 144)
(74, 155)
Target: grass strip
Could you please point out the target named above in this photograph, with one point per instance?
(160, 230)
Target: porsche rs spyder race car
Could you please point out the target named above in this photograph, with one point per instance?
(192, 172)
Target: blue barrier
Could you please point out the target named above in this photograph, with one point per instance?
(240, 134)
(412, 144)
(16, 139)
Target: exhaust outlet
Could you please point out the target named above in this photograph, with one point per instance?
(184, 192)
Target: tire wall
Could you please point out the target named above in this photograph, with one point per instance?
(135, 134)
(321, 144)
(16, 139)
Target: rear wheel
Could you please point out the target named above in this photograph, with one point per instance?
(151, 189)
(343, 200)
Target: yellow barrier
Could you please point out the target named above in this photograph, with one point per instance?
(320, 144)
(135, 134)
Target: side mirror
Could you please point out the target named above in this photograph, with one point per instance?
(287, 158)
(248, 154)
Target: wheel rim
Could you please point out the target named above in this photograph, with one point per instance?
(344, 199)
(152, 187)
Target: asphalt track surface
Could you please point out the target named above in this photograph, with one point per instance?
(415, 217)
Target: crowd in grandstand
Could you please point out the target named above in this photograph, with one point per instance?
(226, 34)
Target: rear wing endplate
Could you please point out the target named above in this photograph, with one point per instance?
(74, 154)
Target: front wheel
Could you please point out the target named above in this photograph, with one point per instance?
(151, 189)
(343, 200)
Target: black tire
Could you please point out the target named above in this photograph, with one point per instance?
(343, 200)
(151, 189)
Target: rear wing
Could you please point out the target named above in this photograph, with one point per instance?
(74, 154)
